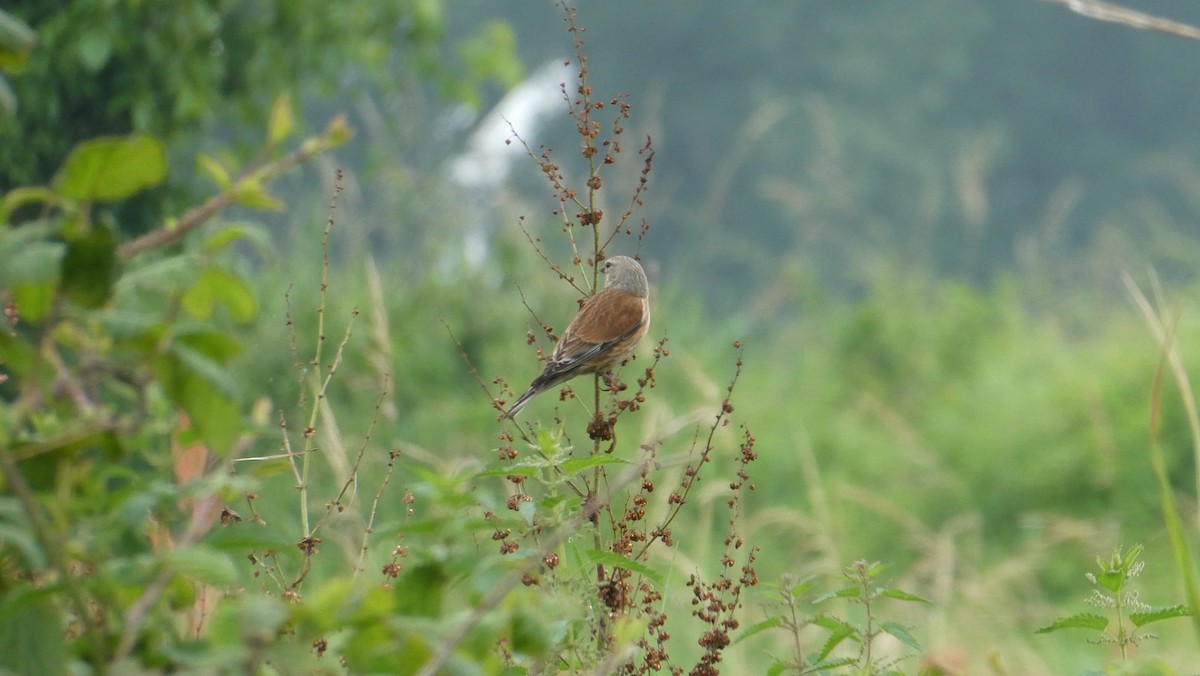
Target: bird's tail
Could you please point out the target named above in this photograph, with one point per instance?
(520, 402)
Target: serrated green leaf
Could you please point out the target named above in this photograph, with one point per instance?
(525, 471)
(901, 633)
(837, 634)
(1142, 619)
(901, 595)
(613, 560)
(843, 593)
(199, 385)
(204, 564)
(111, 168)
(1081, 621)
(753, 630)
(17, 539)
(573, 465)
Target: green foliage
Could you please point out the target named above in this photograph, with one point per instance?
(1127, 612)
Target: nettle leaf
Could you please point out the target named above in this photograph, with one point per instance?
(89, 267)
(112, 168)
(843, 593)
(838, 631)
(769, 623)
(1142, 619)
(901, 633)
(578, 464)
(1081, 621)
(614, 560)
(901, 595)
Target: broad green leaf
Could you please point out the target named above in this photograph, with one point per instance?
(218, 285)
(900, 595)
(614, 560)
(1081, 621)
(902, 634)
(31, 631)
(204, 564)
(200, 387)
(577, 464)
(34, 300)
(1142, 619)
(420, 590)
(282, 122)
(28, 254)
(215, 170)
(89, 267)
(111, 168)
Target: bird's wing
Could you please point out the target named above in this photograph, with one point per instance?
(605, 319)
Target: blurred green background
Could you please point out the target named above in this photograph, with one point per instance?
(915, 217)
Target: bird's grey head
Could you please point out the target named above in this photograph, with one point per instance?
(625, 274)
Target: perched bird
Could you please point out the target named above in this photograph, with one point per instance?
(607, 330)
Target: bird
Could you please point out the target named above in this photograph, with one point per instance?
(604, 333)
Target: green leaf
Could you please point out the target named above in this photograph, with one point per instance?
(204, 564)
(613, 560)
(202, 388)
(89, 267)
(17, 41)
(902, 634)
(218, 285)
(111, 168)
(1142, 619)
(1081, 621)
(31, 631)
(234, 233)
(769, 623)
(252, 194)
(574, 465)
(515, 470)
(29, 255)
(900, 595)
(282, 122)
(215, 170)
(838, 631)
(843, 593)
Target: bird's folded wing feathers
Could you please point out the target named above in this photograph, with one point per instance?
(605, 320)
